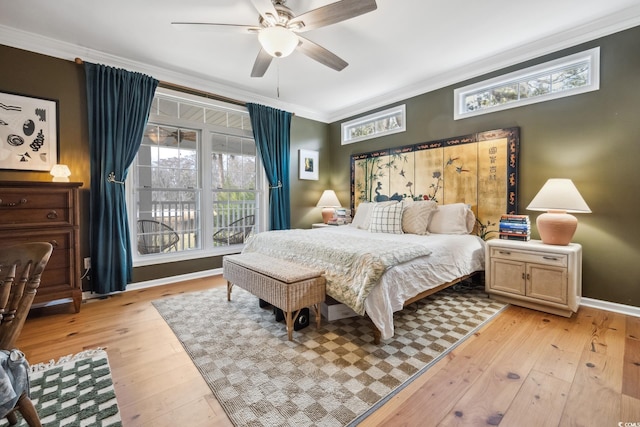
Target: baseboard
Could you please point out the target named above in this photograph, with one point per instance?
(629, 310)
(158, 282)
(587, 302)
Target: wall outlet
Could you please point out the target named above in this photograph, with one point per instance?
(87, 263)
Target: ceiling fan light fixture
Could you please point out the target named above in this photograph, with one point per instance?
(278, 41)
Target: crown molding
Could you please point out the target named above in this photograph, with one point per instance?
(68, 51)
(622, 20)
(607, 25)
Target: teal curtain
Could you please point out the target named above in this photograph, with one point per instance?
(271, 131)
(118, 103)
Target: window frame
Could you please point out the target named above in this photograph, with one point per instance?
(204, 184)
(591, 56)
(400, 110)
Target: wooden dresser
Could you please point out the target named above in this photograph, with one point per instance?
(41, 211)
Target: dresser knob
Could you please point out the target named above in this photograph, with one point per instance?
(52, 215)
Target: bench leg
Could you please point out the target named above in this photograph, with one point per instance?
(316, 309)
(229, 286)
(289, 319)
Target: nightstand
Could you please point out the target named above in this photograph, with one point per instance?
(534, 275)
(319, 225)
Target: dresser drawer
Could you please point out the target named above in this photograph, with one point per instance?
(34, 208)
(59, 239)
(559, 260)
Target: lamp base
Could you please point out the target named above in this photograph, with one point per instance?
(327, 214)
(556, 227)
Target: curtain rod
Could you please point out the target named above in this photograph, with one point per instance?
(168, 85)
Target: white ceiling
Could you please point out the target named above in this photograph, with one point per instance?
(402, 49)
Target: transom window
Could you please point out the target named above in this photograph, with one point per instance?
(571, 75)
(197, 182)
(374, 125)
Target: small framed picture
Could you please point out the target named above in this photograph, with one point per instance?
(308, 163)
(28, 132)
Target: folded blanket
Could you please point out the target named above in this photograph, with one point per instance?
(352, 265)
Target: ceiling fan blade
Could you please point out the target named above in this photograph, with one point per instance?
(207, 26)
(266, 9)
(262, 63)
(320, 54)
(331, 14)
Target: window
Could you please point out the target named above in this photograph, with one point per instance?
(571, 75)
(374, 125)
(196, 183)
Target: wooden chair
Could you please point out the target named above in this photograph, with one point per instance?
(21, 268)
(235, 232)
(155, 237)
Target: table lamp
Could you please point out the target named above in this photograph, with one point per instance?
(60, 173)
(328, 202)
(558, 197)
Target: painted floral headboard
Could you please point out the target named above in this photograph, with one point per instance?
(480, 169)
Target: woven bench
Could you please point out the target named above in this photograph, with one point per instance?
(283, 284)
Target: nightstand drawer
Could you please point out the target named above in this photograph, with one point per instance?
(547, 258)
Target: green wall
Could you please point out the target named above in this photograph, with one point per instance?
(33, 74)
(593, 138)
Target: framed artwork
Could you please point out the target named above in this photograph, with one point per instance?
(28, 132)
(308, 163)
(480, 169)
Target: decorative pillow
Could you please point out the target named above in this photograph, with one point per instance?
(386, 218)
(456, 218)
(416, 216)
(362, 218)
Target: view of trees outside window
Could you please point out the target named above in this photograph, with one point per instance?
(167, 185)
(198, 183)
(234, 195)
(374, 125)
(555, 81)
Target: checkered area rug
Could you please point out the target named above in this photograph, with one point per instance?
(75, 391)
(333, 376)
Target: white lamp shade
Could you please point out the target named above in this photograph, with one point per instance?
(329, 199)
(328, 202)
(60, 173)
(559, 194)
(278, 41)
(558, 197)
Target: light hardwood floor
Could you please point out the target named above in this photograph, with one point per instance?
(525, 368)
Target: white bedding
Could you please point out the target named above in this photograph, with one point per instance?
(452, 256)
(449, 257)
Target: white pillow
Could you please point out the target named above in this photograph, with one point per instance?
(455, 218)
(386, 218)
(362, 218)
(416, 216)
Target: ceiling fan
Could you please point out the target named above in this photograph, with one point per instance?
(279, 30)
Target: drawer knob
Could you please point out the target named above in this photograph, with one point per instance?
(550, 258)
(505, 252)
(52, 215)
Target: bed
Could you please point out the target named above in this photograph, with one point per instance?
(392, 254)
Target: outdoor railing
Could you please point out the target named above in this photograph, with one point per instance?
(229, 218)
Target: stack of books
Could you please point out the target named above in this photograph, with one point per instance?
(515, 227)
(341, 217)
